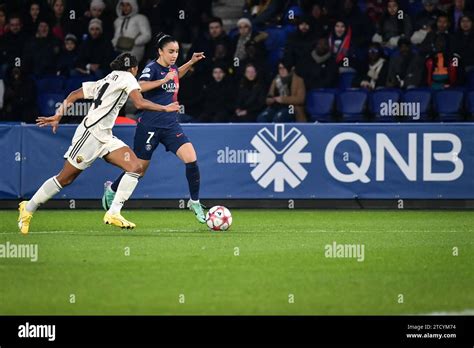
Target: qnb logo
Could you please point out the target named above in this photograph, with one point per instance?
(280, 158)
(385, 147)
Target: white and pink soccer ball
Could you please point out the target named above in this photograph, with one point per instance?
(219, 218)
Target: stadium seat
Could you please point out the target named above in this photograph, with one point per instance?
(50, 84)
(448, 105)
(421, 96)
(414, 7)
(275, 44)
(233, 33)
(75, 82)
(345, 80)
(470, 80)
(276, 38)
(352, 105)
(320, 104)
(47, 102)
(274, 56)
(383, 96)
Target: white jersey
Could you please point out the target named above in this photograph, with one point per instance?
(109, 95)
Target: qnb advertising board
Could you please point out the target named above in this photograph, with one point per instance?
(261, 161)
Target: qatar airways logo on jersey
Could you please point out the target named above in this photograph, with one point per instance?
(170, 87)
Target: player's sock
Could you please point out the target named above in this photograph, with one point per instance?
(116, 183)
(124, 190)
(194, 180)
(44, 193)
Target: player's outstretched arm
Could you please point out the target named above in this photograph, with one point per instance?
(53, 121)
(183, 69)
(146, 86)
(140, 103)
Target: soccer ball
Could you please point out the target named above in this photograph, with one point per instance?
(218, 218)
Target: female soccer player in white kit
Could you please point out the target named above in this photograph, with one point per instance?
(93, 138)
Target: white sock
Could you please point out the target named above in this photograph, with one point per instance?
(124, 190)
(194, 201)
(44, 194)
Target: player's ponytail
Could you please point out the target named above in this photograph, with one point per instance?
(124, 62)
(162, 39)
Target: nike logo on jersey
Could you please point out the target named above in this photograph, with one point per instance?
(179, 135)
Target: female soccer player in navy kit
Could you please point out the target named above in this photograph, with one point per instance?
(159, 83)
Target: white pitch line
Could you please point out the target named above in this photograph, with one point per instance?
(193, 230)
(115, 230)
(380, 231)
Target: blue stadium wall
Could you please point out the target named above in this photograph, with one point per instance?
(267, 161)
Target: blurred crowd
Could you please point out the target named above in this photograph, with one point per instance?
(260, 71)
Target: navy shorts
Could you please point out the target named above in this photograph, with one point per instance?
(148, 138)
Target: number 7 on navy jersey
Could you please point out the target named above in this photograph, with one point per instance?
(151, 136)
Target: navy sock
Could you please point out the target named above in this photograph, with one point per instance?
(115, 184)
(194, 179)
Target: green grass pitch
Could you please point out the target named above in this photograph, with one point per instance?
(281, 267)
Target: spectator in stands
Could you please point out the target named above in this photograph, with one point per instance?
(207, 44)
(340, 43)
(67, 61)
(428, 16)
(376, 9)
(264, 12)
(320, 19)
(187, 29)
(223, 58)
(218, 97)
(300, 43)
(132, 30)
(319, 68)
(95, 53)
(375, 75)
(246, 34)
(3, 21)
(250, 96)
(459, 9)
(33, 17)
(41, 52)
(405, 70)
(256, 55)
(442, 69)
(362, 27)
(60, 20)
(445, 5)
(286, 92)
(463, 43)
(442, 29)
(97, 9)
(190, 96)
(20, 97)
(215, 35)
(394, 24)
(12, 44)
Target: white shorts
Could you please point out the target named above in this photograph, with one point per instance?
(86, 148)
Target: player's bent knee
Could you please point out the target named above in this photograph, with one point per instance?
(65, 180)
(135, 167)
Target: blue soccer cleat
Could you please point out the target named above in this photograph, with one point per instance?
(108, 196)
(196, 207)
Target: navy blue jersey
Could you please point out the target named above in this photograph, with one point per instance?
(166, 94)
